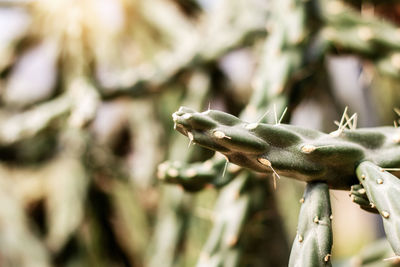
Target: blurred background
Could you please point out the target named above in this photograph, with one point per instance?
(87, 89)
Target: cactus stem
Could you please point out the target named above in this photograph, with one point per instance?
(190, 135)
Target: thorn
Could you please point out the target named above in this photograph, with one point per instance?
(394, 258)
(262, 117)
(390, 169)
(276, 115)
(355, 121)
(395, 124)
(209, 106)
(343, 117)
(283, 114)
(190, 135)
(226, 165)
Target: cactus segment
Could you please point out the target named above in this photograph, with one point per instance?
(358, 195)
(291, 151)
(195, 176)
(383, 189)
(313, 243)
(232, 210)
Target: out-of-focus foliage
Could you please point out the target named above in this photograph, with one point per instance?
(87, 89)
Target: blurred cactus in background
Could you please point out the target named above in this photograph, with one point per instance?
(92, 172)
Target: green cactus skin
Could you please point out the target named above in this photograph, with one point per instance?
(383, 189)
(313, 243)
(291, 151)
(195, 176)
(359, 196)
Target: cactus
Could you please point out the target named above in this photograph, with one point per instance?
(304, 154)
(307, 155)
(313, 243)
(383, 189)
(358, 195)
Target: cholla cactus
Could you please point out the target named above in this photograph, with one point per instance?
(336, 160)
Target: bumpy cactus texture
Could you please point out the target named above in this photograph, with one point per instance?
(383, 189)
(313, 243)
(322, 160)
(291, 151)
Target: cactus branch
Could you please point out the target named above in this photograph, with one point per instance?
(383, 189)
(313, 243)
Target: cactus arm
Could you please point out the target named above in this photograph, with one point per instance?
(291, 151)
(231, 212)
(195, 176)
(383, 189)
(313, 243)
(358, 195)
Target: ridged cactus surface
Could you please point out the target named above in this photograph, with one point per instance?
(313, 243)
(291, 151)
(383, 189)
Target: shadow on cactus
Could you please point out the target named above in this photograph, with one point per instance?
(337, 160)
